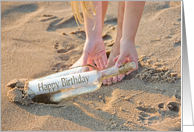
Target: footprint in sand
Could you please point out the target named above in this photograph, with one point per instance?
(59, 23)
(174, 106)
(59, 67)
(161, 105)
(67, 55)
(147, 109)
(170, 109)
(79, 34)
(64, 50)
(48, 17)
(151, 115)
(56, 45)
(147, 115)
(143, 116)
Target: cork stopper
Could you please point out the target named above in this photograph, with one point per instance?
(127, 67)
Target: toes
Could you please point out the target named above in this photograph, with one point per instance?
(109, 81)
(115, 79)
(104, 82)
(120, 77)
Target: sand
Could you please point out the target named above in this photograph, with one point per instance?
(41, 38)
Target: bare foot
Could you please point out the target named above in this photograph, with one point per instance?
(114, 53)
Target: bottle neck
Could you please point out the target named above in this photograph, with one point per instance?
(108, 73)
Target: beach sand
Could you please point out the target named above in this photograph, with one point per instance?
(42, 38)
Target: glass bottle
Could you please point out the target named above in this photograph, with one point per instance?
(72, 82)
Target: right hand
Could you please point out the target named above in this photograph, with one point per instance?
(128, 53)
(94, 49)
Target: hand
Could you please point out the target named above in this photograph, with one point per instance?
(94, 49)
(128, 53)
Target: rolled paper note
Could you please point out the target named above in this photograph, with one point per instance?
(37, 86)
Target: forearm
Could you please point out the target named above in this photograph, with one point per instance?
(132, 15)
(104, 9)
(91, 31)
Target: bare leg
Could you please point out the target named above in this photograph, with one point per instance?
(116, 47)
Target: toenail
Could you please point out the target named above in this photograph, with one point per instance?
(104, 83)
(109, 83)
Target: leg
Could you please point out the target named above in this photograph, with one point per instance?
(116, 47)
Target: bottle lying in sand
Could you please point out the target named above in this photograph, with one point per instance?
(71, 83)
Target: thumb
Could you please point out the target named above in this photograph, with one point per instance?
(120, 60)
(85, 58)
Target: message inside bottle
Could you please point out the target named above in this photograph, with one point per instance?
(63, 82)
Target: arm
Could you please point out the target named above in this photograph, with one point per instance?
(94, 48)
(132, 15)
(91, 31)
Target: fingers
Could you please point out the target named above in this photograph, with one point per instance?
(97, 63)
(85, 58)
(114, 80)
(136, 63)
(90, 62)
(105, 82)
(126, 59)
(116, 58)
(128, 72)
(120, 77)
(104, 59)
(101, 63)
(109, 81)
(120, 60)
